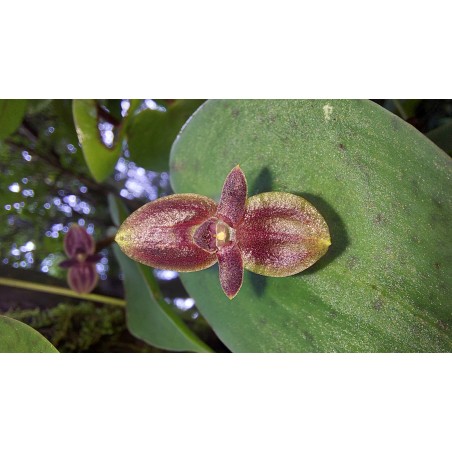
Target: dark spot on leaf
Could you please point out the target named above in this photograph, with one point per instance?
(342, 147)
(308, 336)
(438, 203)
(437, 265)
(374, 287)
(415, 239)
(352, 262)
(380, 220)
(235, 113)
(415, 186)
(378, 304)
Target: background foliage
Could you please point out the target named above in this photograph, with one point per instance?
(62, 161)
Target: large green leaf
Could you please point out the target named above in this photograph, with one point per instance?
(148, 316)
(152, 132)
(385, 191)
(18, 337)
(11, 113)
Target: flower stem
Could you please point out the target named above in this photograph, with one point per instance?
(61, 291)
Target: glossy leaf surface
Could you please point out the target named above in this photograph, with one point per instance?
(18, 337)
(11, 113)
(385, 192)
(151, 133)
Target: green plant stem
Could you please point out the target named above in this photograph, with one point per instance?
(61, 291)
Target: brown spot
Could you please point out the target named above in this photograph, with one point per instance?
(438, 203)
(342, 147)
(380, 220)
(308, 336)
(235, 113)
(437, 265)
(415, 239)
(378, 304)
(443, 325)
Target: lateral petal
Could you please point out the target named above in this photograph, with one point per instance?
(160, 233)
(233, 197)
(281, 234)
(231, 269)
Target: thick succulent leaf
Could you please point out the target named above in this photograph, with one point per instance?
(281, 234)
(11, 113)
(231, 207)
(231, 269)
(385, 192)
(82, 277)
(151, 133)
(18, 337)
(160, 233)
(77, 240)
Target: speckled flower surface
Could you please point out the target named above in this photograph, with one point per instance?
(82, 276)
(273, 234)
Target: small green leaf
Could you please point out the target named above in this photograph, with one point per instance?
(152, 132)
(18, 337)
(11, 113)
(385, 192)
(148, 316)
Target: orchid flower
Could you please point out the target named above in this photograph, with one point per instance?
(272, 234)
(82, 276)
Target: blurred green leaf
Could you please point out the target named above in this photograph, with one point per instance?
(118, 211)
(11, 113)
(385, 191)
(35, 106)
(149, 317)
(152, 132)
(18, 337)
(100, 159)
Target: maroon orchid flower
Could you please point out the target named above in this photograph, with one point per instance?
(82, 276)
(273, 234)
